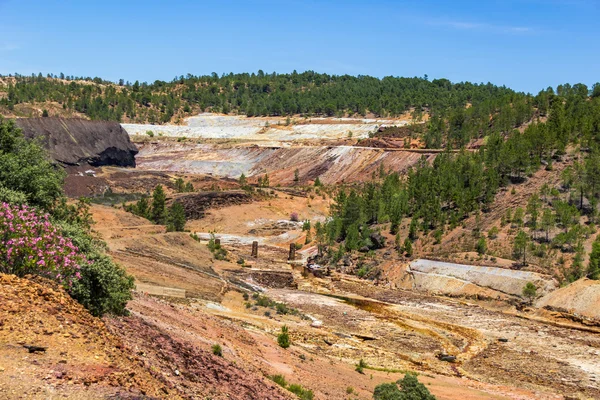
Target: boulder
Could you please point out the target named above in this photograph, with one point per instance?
(77, 141)
(378, 241)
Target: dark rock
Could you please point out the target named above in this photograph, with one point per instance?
(503, 340)
(446, 357)
(195, 204)
(78, 141)
(377, 240)
(364, 249)
(34, 349)
(450, 359)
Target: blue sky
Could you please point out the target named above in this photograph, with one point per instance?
(524, 44)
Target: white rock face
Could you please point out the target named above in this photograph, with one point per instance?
(212, 126)
(436, 276)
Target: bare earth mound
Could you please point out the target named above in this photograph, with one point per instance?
(78, 358)
(581, 298)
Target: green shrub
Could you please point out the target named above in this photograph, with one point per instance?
(279, 379)
(407, 388)
(218, 252)
(104, 287)
(481, 246)
(493, 232)
(530, 291)
(217, 350)
(360, 367)
(25, 168)
(282, 308)
(11, 196)
(283, 339)
(301, 392)
(263, 301)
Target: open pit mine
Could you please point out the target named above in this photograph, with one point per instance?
(246, 266)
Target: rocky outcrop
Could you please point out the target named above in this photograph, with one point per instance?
(79, 141)
(196, 204)
(461, 279)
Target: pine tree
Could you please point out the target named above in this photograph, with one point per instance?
(142, 207)
(158, 212)
(243, 181)
(176, 218)
(412, 230)
(481, 246)
(518, 217)
(530, 291)
(548, 222)
(408, 248)
(593, 271)
(520, 245)
(179, 185)
(533, 209)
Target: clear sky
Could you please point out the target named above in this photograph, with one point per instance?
(524, 44)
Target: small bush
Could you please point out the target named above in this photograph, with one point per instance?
(104, 287)
(294, 217)
(360, 367)
(481, 246)
(283, 339)
(150, 133)
(301, 392)
(217, 350)
(263, 301)
(282, 308)
(218, 252)
(407, 388)
(530, 291)
(279, 379)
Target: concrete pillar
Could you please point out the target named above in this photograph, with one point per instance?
(255, 249)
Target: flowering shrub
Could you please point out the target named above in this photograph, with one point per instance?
(30, 244)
